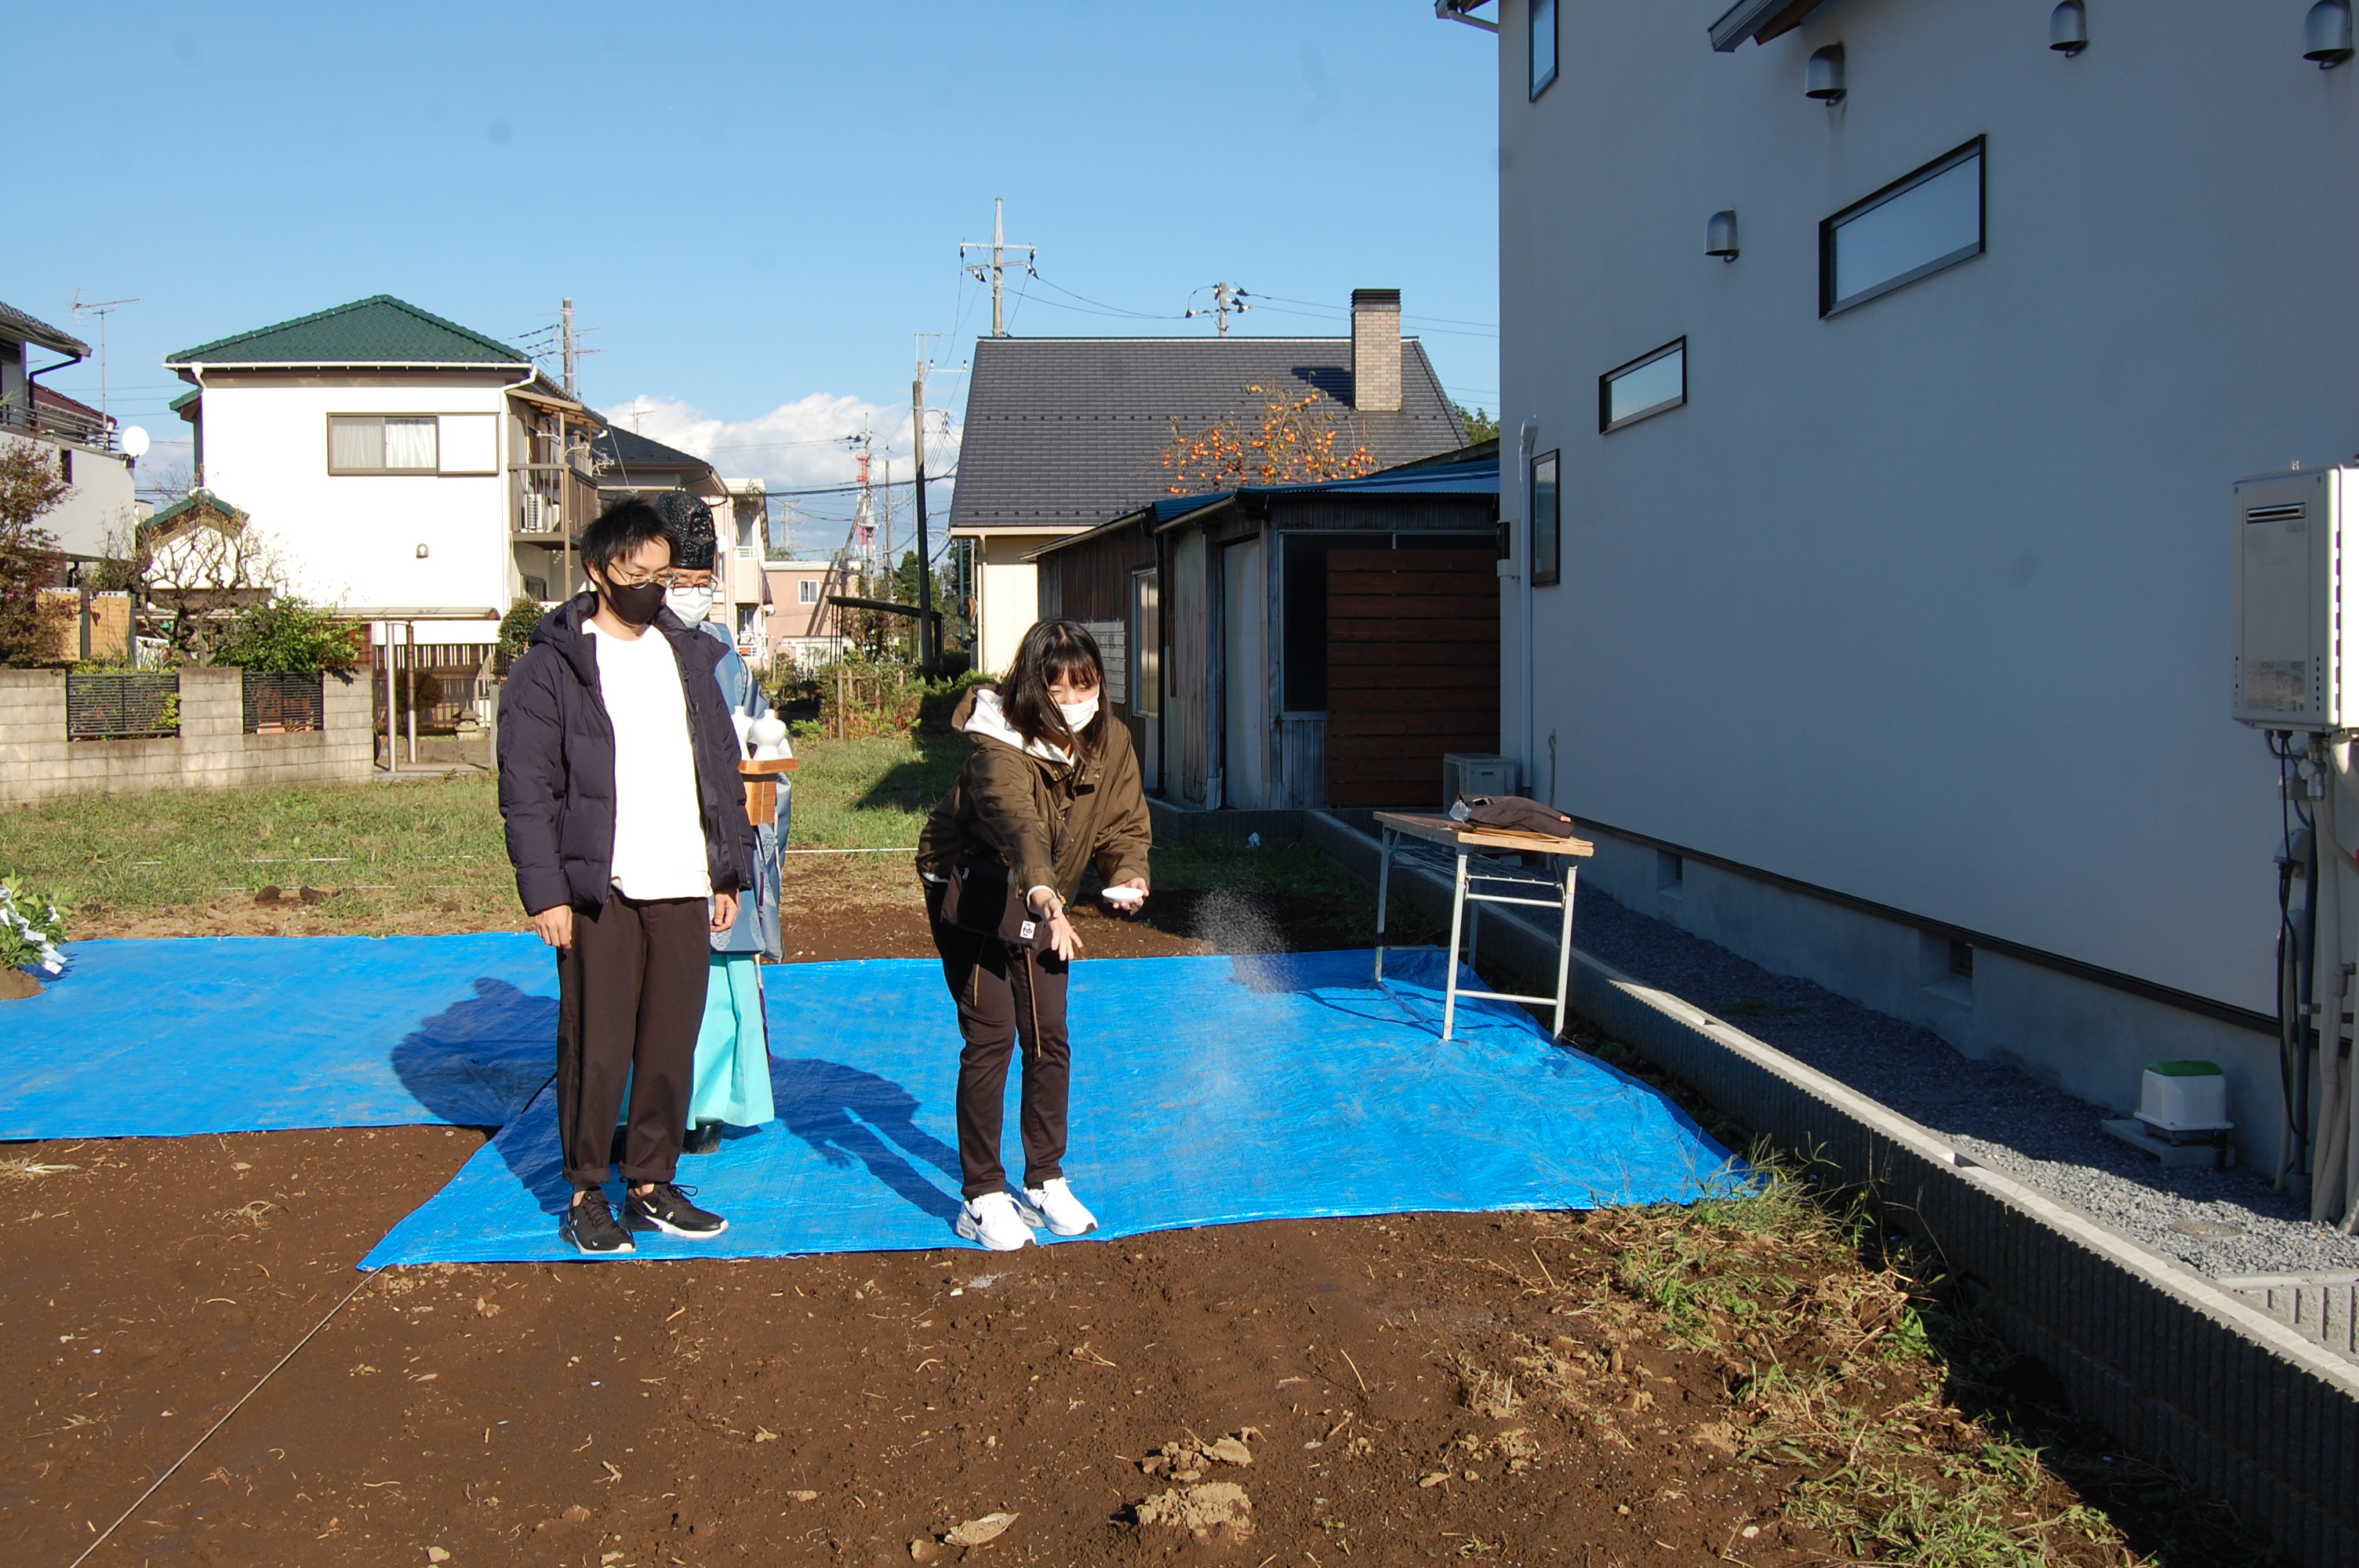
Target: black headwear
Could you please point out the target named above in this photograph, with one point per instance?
(690, 523)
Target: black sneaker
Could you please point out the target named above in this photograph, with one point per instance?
(702, 1138)
(591, 1225)
(666, 1208)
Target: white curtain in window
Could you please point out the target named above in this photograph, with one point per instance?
(410, 444)
(355, 444)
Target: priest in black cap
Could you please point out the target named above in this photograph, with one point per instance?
(732, 1056)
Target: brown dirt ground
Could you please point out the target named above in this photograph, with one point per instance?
(846, 1408)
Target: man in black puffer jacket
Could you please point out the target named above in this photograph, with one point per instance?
(627, 823)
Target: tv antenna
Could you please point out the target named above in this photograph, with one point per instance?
(102, 308)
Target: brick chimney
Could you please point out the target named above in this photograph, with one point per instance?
(1376, 351)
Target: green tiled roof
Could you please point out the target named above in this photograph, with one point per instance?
(183, 402)
(196, 502)
(377, 331)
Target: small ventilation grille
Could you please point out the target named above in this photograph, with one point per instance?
(2293, 513)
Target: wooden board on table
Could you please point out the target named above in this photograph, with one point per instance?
(1442, 830)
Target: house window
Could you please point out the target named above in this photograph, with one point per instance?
(745, 613)
(1543, 45)
(1645, 386)
(1547, 537)
(1146, 646)
(413, 444)
(744, 535)
(806, 591)
(1912, 228)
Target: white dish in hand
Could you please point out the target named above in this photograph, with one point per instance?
(1128, 898)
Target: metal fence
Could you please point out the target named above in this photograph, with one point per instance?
(279, 704)
(122, 706)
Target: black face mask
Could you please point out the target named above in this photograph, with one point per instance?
(637, 604)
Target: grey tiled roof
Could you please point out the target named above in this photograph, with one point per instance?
(23, 329)
(1067, 432)
(638, 455)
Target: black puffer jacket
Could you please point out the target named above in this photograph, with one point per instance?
(557, 764)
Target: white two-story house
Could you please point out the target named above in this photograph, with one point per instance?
(84, 444)
(410, 472)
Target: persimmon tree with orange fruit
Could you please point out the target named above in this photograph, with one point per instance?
(1278, 436)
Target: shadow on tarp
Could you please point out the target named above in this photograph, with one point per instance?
(186, 1036)
(1205, 1091)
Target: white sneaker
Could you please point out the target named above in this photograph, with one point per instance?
(1055, 1206)
(994, 1220)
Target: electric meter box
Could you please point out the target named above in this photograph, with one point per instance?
(2294, 594)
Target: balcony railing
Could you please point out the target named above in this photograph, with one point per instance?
(58, 424)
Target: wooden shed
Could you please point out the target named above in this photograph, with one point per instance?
(1299, 645)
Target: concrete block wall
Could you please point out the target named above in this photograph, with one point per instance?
(211, 751)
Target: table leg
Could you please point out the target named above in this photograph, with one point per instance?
(1384, 892)
(1564, 946)
(1450, 974)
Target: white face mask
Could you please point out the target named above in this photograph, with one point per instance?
(1078, 714)
(690, 604)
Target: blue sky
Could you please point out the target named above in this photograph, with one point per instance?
(753, 207)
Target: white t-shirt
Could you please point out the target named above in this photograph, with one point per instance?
(659, 827)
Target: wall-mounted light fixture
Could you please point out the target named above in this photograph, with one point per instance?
(2326, 34)
(422, 552)
(1719, 235)
(1825, 80)
(2068, 27)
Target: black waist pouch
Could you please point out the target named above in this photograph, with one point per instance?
(1511, 813)
(977, 896)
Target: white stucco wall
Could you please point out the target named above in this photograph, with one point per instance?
(1927, 601)
(353, 538)
(98, 505)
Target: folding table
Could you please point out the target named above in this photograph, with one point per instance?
(1465, 843)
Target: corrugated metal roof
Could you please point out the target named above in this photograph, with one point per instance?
(378, 330)
(1477, 476)
(1067, 432)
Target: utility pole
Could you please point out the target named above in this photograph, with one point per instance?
(101, 308)
(929, 634)
(568, 348)
(1228, 300)
(997, 265)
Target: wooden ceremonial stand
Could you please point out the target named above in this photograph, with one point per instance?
(761, 780)
(1465, 843)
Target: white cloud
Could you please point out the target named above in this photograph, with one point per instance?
(799, 444)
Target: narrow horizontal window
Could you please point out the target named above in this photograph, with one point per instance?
(1912, 228)
(1647, 386)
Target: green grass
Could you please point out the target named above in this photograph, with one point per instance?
(437, 843)
(405, 844)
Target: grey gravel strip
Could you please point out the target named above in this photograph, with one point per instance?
(2220, 1223)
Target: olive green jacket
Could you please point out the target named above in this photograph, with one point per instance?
(1015, 801)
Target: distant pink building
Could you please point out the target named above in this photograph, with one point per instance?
(801, 624)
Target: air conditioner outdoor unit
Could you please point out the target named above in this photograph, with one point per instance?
(1475, 773)
(2294, 593)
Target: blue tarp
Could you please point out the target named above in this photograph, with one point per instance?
(1205, 1091)
(240, 1034)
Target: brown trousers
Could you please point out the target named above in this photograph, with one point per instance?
(1002, 997)
(631, 997)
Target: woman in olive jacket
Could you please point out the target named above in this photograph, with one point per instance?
(1052, 788)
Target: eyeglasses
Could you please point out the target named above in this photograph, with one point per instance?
(668, 579)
